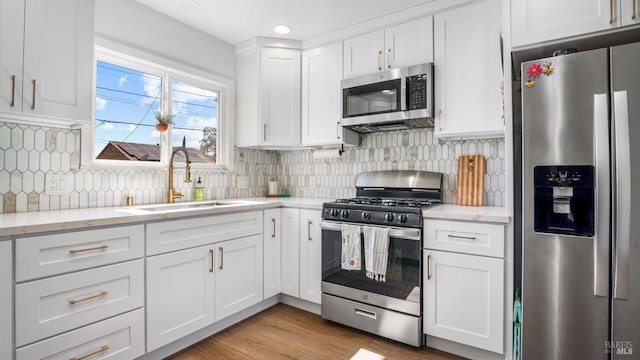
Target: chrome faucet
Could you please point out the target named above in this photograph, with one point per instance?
(172, 195)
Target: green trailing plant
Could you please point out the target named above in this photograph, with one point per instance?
(163, 118)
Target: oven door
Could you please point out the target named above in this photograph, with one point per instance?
(401, 289)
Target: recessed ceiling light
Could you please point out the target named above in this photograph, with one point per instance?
(282, 29)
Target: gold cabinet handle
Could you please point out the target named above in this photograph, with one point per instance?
(309, 222)
(221, 258)
(429, 267)
(610, 11)
(211, 256)
(102, 349)
(33, 96)
(635, 13)
(101, 247)
(92, 297)
(440, 119)
(379, 59)
(13, 90)
(338, 130)
(462, 237)
(273, 233)
(389, 58)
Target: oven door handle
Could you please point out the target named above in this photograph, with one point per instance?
(399, 233)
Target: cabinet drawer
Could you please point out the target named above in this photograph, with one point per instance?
(118, 338)
(46, 255)
(51, 306)
(464, 237)
(175, 235)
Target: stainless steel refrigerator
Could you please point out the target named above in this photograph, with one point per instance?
(581, 205)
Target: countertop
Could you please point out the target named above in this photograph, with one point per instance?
(58, 220)
(470, 213)
(25, 223)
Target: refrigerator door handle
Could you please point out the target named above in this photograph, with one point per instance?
(602, 162)
(622, 213)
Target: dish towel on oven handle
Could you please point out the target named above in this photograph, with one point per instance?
(351, 253)
(376, 252)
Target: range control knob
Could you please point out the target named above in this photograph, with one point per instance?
(366, 215)
(334, 212)
(388, 217)
(344, 214)
(402, 218)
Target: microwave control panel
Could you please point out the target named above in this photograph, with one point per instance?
(417, 92)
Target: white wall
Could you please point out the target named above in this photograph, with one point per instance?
(128, 23)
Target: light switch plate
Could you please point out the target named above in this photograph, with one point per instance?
(58, 184)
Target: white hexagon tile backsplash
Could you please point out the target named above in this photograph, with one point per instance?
(29, 153)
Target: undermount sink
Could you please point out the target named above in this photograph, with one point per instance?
(186, 206)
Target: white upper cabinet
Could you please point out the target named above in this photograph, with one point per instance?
(321, 103)
(46, 60)
(268, 97)
(401, 45)
(537, 21)
(468, 71)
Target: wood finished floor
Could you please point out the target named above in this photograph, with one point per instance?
(284, 332)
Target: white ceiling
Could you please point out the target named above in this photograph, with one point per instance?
(235, 21)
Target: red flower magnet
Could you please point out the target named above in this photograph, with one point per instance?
(534, 70)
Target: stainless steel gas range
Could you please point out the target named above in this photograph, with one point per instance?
(372, 253)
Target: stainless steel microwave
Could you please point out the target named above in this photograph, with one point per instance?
(392, 100)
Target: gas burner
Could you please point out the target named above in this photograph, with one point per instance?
(402, 203)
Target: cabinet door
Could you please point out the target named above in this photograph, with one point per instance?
(280, 96)
(321, 98)
(468, 71)
(180, 288)
(11, 40)
(463, 299)
(629, 12)
(58, 59)
(310, 255)
(364, 54)
(291, 252)
(536, 21)
(409, 43)
(272, 247)
(238, 275)
(6, 294)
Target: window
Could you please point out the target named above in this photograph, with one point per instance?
(129, 94)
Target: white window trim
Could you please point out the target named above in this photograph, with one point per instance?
(120, 54)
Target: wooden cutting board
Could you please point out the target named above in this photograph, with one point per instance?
(471, 169)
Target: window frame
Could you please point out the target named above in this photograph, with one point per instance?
(168, 70)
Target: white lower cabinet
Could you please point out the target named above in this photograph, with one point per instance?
(238, 283)
(463, 298)
(272, 249)
(310, 255)
(6, 295)
(117, 338)
(302, 254)
(190, 289)
(51, 306)
(290, 277)
(180, 290)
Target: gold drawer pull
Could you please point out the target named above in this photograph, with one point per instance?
(462, 237)
(101, 247)
(101, 294)
(102, 349)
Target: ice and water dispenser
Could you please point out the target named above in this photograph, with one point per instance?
(564, 200)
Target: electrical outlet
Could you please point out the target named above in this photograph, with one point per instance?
(58, 184)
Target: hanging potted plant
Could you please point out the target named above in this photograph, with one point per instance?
(163, 121)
